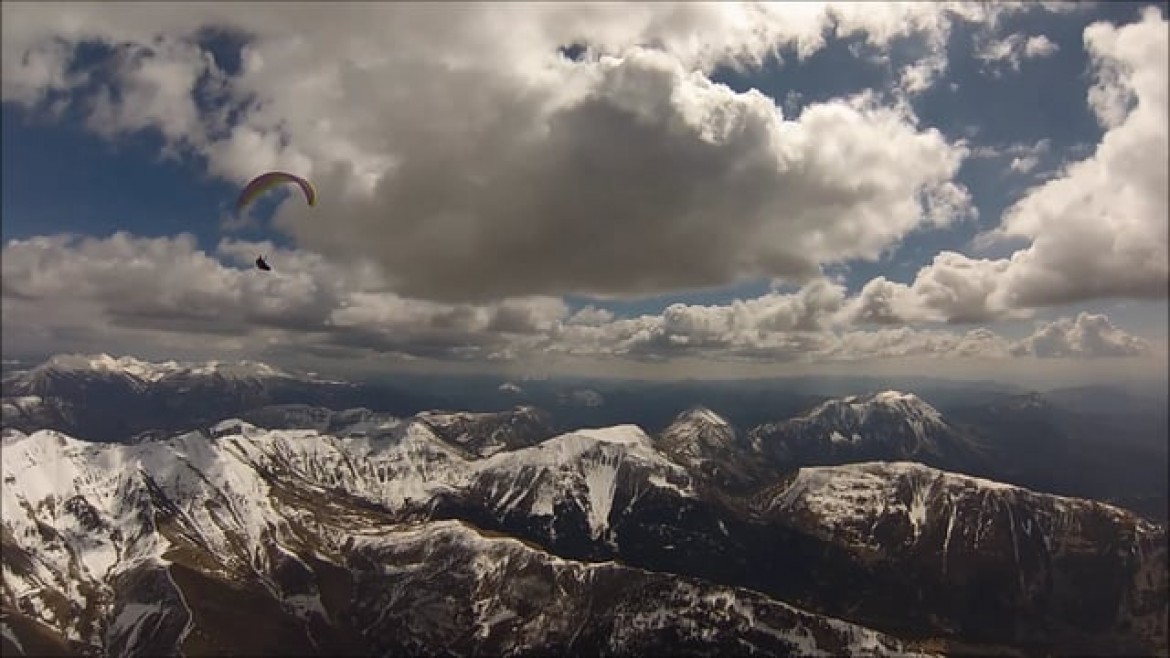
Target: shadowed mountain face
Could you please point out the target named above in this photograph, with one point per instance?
(1118, 456)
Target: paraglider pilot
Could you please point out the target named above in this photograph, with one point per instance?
(262, 264)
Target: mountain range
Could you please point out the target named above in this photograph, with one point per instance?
(1051, 441)
(293, 523)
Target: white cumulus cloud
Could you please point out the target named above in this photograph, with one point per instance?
(457, 149)
(1096, 230)
(1089, 335)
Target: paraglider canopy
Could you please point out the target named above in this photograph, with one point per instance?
(265, 182)
(262, 184)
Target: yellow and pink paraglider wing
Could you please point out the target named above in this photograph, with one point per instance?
(264, 182)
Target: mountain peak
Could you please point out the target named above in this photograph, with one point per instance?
(859, 408)
(702, 415)
(932, 503)
(891, 398)
(884, 425)
(697, 435)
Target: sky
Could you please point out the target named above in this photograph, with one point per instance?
(649, 190)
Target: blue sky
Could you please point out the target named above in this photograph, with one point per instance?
(451, 271)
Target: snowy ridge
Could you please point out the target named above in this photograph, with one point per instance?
(907, 403)
(152, 372)
(407, 462)
(954, 531)
(126, 365)
(846, 502)
(352, 422)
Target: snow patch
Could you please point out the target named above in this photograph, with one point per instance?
(837, 437)
(918, 510)
(662, 483)
(8, 634)
(601, 482)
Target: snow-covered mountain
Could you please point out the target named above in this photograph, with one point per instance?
(696, 436)
(399, 539)
(264, 542)
(261, 512)
(885, 426)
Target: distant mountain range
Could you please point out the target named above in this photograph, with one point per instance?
(290, 521)
(118, 399)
